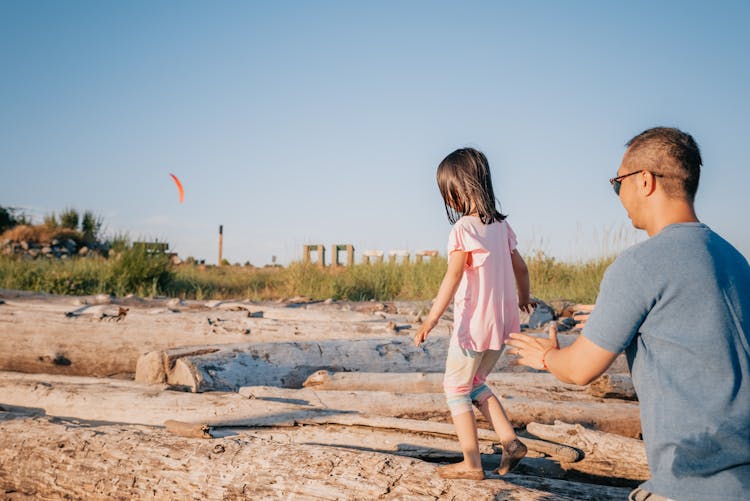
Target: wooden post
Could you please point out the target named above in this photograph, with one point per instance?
(221, 241)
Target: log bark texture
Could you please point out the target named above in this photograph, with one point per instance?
(605, 453)
(85, 460)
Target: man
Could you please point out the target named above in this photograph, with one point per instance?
(678, 304)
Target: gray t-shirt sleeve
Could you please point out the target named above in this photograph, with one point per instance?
(621, 306)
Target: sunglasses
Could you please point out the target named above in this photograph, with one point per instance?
(616, 182)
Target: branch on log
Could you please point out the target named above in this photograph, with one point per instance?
(622, 417)
(188, 430)
(604, 452)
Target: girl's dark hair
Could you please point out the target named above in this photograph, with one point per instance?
(463, 178)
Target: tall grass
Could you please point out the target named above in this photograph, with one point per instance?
(132, 271)
(136, 271)
(575, 281)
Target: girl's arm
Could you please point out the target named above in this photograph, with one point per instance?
(456, 265)
(521, 272)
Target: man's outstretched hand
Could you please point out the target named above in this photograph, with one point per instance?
(530, 350)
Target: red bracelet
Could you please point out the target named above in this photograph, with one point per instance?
(544, 364)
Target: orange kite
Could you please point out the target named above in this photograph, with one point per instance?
(179, 187)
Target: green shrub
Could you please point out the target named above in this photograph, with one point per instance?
(138, 271)
(91, 226)
(69, 219)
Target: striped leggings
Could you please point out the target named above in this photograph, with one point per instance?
(465, 373)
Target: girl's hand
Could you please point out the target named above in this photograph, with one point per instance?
(423, 332)
(527, 306)
(531, 350)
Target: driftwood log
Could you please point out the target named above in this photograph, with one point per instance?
(85, 460)
(121, 401)
(90, 336)
(229, 367)
(117, 401)
(619, 417)
(524, 384)
(604, 453)
(533, 472)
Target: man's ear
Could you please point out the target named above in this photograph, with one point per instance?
(647, 183)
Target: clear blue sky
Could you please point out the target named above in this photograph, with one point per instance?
(305, 122)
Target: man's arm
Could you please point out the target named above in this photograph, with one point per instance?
(580, 363)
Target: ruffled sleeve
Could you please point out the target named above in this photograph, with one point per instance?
(512, 241)
(462, 239)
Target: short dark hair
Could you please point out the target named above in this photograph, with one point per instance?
(673, 154)
(465, 183)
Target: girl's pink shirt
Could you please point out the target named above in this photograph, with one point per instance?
(485, 306)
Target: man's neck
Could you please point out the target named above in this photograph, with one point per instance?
(672, 212)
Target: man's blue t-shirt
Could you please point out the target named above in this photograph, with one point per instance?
(678, 304)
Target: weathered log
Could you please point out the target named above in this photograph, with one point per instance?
(49, 458)
(129, 402)
(60, 335)
(523, 384)
(619, 417)
(228, 367)
(431, 448)
(604, 452)
(556, 451)
(122, 401)
(613, 386)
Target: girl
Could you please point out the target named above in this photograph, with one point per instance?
(481, 265)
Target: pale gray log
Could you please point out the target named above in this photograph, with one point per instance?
(604, 452)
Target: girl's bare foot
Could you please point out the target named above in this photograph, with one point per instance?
(513, 452)
(460, 470)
